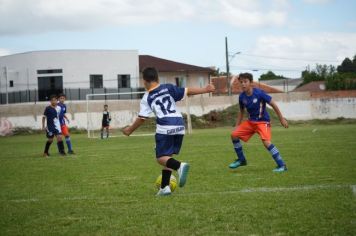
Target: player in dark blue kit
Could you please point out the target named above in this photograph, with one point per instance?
(161, 100)
(254, 100)
(53, 127)
(105, 122)
(62, 121)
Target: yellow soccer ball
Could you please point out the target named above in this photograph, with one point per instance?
(172, 182)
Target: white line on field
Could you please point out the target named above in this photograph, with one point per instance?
(246, 190)
(272, 189)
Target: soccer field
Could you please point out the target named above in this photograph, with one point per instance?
(108, 188)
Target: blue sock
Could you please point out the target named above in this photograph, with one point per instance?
(69, 144)
(238, 150)
(276, 156)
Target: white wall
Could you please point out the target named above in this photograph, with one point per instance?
(298, 106)
(77, 65)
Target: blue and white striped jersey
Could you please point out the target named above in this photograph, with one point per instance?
(162, 102)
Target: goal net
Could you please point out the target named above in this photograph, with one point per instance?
(123, 108)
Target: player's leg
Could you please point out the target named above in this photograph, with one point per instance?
(264, 130)
(243, 132)
(107, 131)
(48, 144)
(166, 146)
(60, 144)
(66, 135)
(102, 132)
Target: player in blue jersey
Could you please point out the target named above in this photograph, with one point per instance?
(62, 120)
(161, 100)
(254, 100)
(53, 127)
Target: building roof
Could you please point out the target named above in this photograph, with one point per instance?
(220, 85)
(314, 86)
(163, 65)
(282, 82)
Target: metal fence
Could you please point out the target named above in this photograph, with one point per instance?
(73, 94)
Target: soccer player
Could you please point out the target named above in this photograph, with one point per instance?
(62, 121)
(53, 127)
(161, 100)
(105, 123)
(254, 100)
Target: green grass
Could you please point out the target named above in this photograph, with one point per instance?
(108, 188)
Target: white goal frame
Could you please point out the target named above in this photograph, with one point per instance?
(88, 96)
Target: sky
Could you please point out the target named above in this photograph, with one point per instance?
(284, 36)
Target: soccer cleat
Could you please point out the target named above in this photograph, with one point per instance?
(71, 152)
(164, 191)
(46, 155)
(280, 169)
(237, 163)
(63, 154)
(183, 173)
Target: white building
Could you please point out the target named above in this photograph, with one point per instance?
(53, 71)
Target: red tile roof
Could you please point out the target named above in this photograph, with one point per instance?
(314, 86)
(163, 65)
(220, 86)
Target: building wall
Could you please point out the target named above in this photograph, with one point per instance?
(192, 79)
(294, 106)
(77, 65)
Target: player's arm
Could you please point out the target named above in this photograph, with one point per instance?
(130, 129)
(240, 116)
(65, 116)
(283, 121)
(194, 91)
(43, 122)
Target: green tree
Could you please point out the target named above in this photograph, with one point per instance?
(347, 66)
(270, 76)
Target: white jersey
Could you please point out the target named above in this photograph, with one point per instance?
(162, 102)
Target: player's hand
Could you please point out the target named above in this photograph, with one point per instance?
(67, 120)
(284, 122)
(210, 88)
(126, 131)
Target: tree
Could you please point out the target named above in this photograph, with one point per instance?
(347, 66)
(270, 76)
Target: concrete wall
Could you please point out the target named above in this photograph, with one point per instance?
(294, 106)
(77, 65)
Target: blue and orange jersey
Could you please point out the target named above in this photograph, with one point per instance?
(162, 102)
(62, 112)
(256, 104)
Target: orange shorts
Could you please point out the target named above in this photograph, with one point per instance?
(65, 130)
(248, 128)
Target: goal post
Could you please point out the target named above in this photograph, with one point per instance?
(123, 108)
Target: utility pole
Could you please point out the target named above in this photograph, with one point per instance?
(6, 85)
(227, 67)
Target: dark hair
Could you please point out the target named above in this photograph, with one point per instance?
(52, 96)
(106, 105)
(61, 95)
(246, 76)
(150, 74)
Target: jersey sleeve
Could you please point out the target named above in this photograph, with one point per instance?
(176, 92)
(145, 109)
(45, 113)
(265, 97)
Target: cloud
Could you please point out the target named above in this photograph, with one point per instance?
(29, 17)
(4, 52)
(291, 54)
(317, 1)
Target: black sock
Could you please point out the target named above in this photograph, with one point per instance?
(173, 164)
(166, 177)
(102, 134)
(60, 146)
(107, 134)
(48, 144)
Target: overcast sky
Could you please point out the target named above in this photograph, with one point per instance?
(281, 35)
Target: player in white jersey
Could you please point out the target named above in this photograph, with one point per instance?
(161, 100)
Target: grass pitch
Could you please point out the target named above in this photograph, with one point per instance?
(108, 187)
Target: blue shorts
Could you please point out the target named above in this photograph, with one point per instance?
(52, 132)
(167, 145)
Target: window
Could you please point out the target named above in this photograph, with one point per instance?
(96, 81)
(11, 83)
(123, 81)
(181, 82)
(50, 71)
